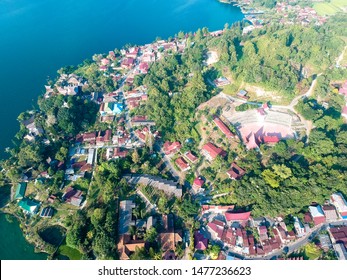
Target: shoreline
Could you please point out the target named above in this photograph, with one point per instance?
(37, 249)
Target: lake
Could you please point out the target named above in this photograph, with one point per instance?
(13, 245)
(40, 36)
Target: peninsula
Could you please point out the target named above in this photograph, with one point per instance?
(227, 144)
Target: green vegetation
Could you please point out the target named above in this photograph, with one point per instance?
(330, 7)
(245, 107)
(69, 252)
(280, 180)
(312, 252)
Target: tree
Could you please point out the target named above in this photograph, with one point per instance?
(135, 156)
(162, 204)
(97, 217)
(270, 178)
(151, 235)
(213, 251)
(282, 171)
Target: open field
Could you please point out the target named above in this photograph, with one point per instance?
(331, 8)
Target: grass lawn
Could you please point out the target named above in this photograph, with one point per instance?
(339, 3)
(330, 8)
(71, 253)
(312, 252)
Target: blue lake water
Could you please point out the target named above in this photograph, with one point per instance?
(38, 37)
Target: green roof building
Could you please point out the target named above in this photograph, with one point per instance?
(20, 192)
(29, 206)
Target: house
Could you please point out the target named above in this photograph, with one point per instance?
(111, 108)
(242, 93)
(216, 228)
(330, 212)
(182, 164)
(143, 67)
(339, 234)
(126, 246)
(134, 102)
(200, 242)
(169, 237)
(197, 184)
(47, 212)
(241, 217)
(262, 230)
(119, 153)
(229, 237)
(317, 214)
(339, 237)
(141, 121)
(34, 129)
(221, 82)
(170, 147)
(340, 203)
(125, 216)
(29, 206)
(89, 137)
(20, 191)
(271, 139)
(251, 142)
(128, 63)
(168, 186)
(235, 172)
(103, 137)
(51, 198)
(91, 153)
(299, 228)
(73, 196)
(210, 151)
(221, 125)
(192, 158)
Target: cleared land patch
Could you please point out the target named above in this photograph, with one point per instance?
(331, 8)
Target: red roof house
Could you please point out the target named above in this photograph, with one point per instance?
(210, 151)
(235, 172)
(143, 67)
(317, 214)
(89, 137)
(198, 183)
(200, 242)
(230, 216)
(128, 63)
(170, 147)
(192, 158)
(271, 139)
(118, 153)
(182, 164)
(251, 142)
(217, 228)
(221, 125)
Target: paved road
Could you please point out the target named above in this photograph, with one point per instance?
(294, 246)
(166, 161)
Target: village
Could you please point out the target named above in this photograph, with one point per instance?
(236, 232)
